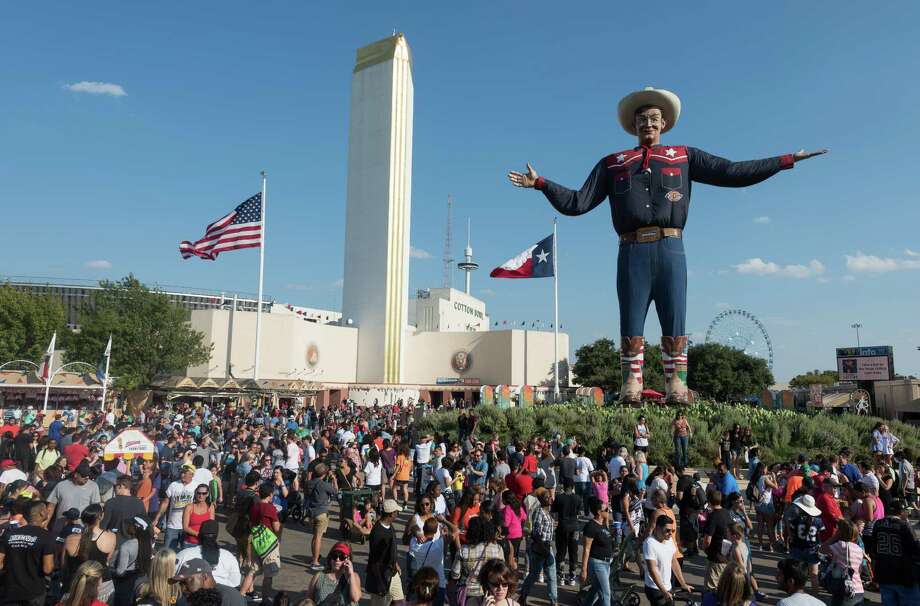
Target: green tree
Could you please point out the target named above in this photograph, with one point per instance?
(725, 373)
(814, 377)
(652, 371)
(150, 335)
(598, 365)
(26, 324)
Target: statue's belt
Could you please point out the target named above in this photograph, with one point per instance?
(651, 234)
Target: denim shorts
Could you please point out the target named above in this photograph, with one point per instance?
(804, 555)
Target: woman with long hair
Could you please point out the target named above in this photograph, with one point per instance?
(848, 556)
(733, 588)
(498, 582)
(373, 472)
(131, 559)
(513, 516)
(480, 547)
(156, 590)
(93, 543)
(226, 568)
(764, 482)
(598, 552)
(148, 489)
(49, 479)
(424, 586)
(195, 514)
(84, 587)
(468, 508)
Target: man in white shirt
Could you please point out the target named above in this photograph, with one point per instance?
(615, 463)
(660, 555)
(10, 473)
(292, 458)
(179, 495)
(422, 461)
(583, 469)
(202, 474)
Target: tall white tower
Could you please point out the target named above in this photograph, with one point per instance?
(468, 266)
(375, 294)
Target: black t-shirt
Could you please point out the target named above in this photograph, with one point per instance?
(381, 559)
(717, 527)
(566, 506)
(601, 541)
(805, 530)
(567, 468)
(895, 552)
(24, 549)
(119, 508)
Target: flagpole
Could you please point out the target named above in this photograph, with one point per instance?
(255, 372)
(555, 316)
(50, 373)
(105, 379)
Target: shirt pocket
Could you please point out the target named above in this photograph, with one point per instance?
(621, 182)
(671, 179)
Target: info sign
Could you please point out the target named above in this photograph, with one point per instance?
(865, 363)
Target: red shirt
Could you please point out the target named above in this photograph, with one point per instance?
(13, 429)
(520, 484)
(263, 513)
(75, 453)
(530, 464)
(830, 513)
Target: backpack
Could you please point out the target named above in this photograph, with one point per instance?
(238, 522)
(752, 493)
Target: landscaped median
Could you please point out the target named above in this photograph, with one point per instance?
(781, 434)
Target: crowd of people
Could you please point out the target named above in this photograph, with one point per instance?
(465, 518)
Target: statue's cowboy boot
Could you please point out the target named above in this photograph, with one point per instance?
(632, 354)
(674, 360)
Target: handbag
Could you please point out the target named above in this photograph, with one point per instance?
(836, 579)
(263, 540)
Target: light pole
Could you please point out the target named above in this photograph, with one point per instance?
(857, 326)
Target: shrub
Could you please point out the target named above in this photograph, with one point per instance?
(781, 434)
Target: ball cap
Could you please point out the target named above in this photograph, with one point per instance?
(391, 506)
(665, 100)
(341, 548)
(209, 528)
(192, 567)
(7, 463)
(72, 514)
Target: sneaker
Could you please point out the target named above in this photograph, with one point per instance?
(541, 577)
(315, 567)
(570, 581)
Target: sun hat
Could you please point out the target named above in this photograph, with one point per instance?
(391, 506)
(665, 100)
(806, 503)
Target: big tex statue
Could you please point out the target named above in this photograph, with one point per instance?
(649, 191)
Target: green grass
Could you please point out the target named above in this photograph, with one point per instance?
(781, 434)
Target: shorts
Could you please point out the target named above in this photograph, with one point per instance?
(394, 594)
(803, 555)
(711, 576)
(402, 482)
(270, 565)
(656, 597)
(765, 509)
(320, 523)
(373, 487)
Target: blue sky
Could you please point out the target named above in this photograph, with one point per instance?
(207, 94)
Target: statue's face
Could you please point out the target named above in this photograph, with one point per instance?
(649, 124)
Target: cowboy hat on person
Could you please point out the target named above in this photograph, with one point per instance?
(806, 503)
(665, 100)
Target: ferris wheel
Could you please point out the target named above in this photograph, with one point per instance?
(742, 330)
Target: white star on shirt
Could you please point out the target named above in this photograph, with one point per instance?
(541, 256)
(670, 152)
(620, 158)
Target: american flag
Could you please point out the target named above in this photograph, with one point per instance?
(242, 228)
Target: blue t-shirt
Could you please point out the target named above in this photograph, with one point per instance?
(479, 480)
(728, 485)
(852, 473)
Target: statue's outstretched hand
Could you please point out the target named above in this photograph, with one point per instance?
(804, 155)
(527, 179)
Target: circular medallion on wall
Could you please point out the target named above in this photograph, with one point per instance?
(312, 355)
(461, 361)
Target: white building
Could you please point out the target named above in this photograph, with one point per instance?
(447, 309)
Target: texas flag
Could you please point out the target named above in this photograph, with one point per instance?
(535, 262)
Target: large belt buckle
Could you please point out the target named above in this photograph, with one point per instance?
(648, 234)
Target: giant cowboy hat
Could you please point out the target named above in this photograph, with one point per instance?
(665, 100)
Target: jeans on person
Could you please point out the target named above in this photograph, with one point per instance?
(652, 271)
(681, 451)
(599, 577)
(583, 489)
(546, 564)
(900, 595)
(173, 539)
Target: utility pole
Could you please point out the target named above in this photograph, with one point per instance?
(857, 326)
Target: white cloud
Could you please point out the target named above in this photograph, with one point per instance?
(339, 283)
(911, 253)
(98, 264)
(419, 253)
(97, 88)
(762, 220)
(759, 267)
(861, 262)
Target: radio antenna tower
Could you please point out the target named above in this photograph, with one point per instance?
(448, 245)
